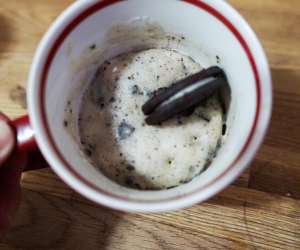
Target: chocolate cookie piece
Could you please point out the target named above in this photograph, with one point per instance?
(184, 95)
(156, 100)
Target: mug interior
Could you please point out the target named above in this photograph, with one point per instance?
(69, 64)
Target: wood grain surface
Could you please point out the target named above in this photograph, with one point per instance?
(260, 211)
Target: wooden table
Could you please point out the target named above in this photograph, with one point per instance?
(260, 211)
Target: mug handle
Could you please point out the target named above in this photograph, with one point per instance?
(25, 142)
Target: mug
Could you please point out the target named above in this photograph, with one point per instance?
(213, 33)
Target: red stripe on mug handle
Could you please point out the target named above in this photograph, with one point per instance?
(25, 142)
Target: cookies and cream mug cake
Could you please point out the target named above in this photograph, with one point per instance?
(122, 145)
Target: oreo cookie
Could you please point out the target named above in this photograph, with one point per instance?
(184, 95)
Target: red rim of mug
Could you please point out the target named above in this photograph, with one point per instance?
(100, 5)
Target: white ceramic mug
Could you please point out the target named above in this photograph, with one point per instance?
(217, 34)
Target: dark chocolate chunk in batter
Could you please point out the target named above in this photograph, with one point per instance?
(129, 180)
(125, 130)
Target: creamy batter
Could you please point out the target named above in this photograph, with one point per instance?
(115, 137)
